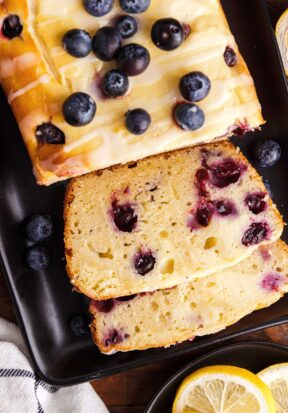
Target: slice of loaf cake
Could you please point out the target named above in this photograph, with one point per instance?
(165, 220)
(201, 307)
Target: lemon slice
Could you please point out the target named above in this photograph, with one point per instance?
(276, 377)
(223, 389)
(282, 38)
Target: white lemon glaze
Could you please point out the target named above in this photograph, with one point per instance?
(105, 141)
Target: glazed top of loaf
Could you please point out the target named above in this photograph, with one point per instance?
(38, 75)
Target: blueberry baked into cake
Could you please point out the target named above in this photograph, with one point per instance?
(165, 220)
(98, 83)
(168, 222)
(202, 307)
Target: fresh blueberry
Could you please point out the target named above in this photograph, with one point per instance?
(125, 217)
(189, 116)
(49, 133)
(115, 84)
(230, 56)
(38, 257)
(79, 325)
(137, 121)
(132, 59)
(167, 34)
(39, 227)
(127, 26)
(268, 187)
(224, 207)
(144, 263)
(194, 86)
(204, 214)
(104, 306)
(225, 173)
(256, 233)
(134, 6)
(256, 203)
(106, 43)
(98, 8)
(79, 109)
(267, 153)
(12, 26)
(77, 43)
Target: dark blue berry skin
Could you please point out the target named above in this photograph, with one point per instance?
(106, 43)
(127, 26)
(39, 227)
(267, 153)
(79, 325)
(134, 6)
(125, 217)
(230, 56)
(12, 26)
(77, 43)
(144, 263)
(98, 8)
(79, 109)
(38, 257)
(49, 133)
(189, 116)
(137, 121)
(194, 86)
(167, 34)
(268, 187)
(255, 233)
(133, 59)
(115, 84)
(225, 173)
(256, 202)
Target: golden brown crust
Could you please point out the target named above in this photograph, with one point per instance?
(42, 103)
(70, 195)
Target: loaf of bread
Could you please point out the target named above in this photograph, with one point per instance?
(202, 307)
(165, 220)
(38, 75)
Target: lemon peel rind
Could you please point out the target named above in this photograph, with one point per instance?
(242, 377)
(281, 33)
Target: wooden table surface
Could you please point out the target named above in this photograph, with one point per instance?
(130, 392)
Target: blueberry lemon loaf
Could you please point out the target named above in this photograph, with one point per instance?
(165, 220)
(98, 83)
(202, 307)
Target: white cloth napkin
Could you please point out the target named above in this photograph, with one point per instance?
(21, 391)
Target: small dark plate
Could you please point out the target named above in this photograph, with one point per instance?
(251, 356)
(44, 302)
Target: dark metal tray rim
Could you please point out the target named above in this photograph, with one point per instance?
(240, 346)
(210, 340)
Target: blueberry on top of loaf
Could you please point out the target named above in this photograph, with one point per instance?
(165, 220)
(75, 72)
(201, 307)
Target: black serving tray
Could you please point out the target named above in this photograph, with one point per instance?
(44, 302)
(252, 356)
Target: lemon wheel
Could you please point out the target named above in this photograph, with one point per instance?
(223, 389)
(276, 378)
(282, 38)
